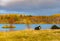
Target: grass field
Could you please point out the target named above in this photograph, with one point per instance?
(31, 35)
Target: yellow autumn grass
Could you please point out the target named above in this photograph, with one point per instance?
(31, 35)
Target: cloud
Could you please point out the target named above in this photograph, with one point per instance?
(34, 7)
(6, 2)
(33, 4)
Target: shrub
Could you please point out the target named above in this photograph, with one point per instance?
(55, 27)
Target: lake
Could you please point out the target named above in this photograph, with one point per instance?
(23, 26)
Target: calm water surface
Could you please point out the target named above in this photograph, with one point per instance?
(23, 26)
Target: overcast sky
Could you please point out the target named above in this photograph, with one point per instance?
(34, 7)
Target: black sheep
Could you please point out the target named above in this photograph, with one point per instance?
(37, 28)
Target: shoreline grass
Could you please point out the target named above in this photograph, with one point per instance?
(31, 35)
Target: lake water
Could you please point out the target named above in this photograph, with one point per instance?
(23, 26)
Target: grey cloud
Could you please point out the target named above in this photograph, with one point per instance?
(33, 5)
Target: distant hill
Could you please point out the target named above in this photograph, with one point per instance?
(56, 15)
(29, 19)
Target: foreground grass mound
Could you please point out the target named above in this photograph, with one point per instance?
(31, 35)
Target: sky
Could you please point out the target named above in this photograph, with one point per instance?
(33, 7)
